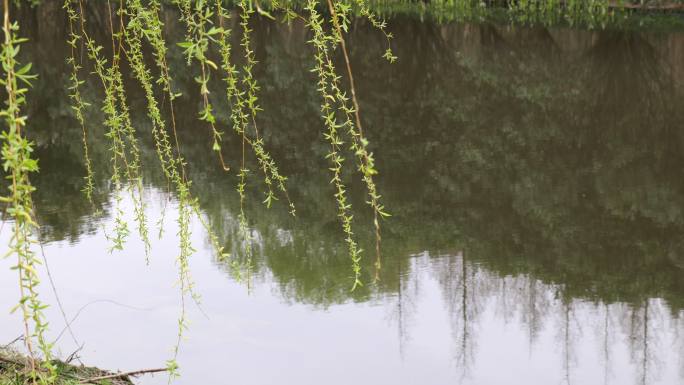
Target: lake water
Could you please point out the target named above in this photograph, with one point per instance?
(535, 180)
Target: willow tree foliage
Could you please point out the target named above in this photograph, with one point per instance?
(137, 42)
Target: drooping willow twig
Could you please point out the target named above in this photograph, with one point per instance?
(79, 105)
(196, 17)
(16, 155)
(125, 161)
(323, 65)
(359, 143)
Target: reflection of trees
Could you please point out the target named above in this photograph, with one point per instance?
(567, 335)
(535, 306)
(643, 328)
(466, 290)
(607, 339)
(626, 76)
(489, 138)
(551, 158)
(678, 325)
(405, 307)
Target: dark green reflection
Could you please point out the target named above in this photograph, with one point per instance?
(550, 153)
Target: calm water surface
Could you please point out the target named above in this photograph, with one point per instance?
(535, 181)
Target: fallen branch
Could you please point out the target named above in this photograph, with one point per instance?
(94, 380)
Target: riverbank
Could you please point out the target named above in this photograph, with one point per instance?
(14, 370)
(628, 16)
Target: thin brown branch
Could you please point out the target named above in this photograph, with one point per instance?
(95, 380)
(343, 44)
(21, 337)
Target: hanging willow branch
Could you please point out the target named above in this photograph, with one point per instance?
(359, 144)
(17, 162)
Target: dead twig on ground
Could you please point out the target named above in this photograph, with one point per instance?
(136, 373)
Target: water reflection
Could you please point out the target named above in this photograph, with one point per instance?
(534, 181)
(579, 330)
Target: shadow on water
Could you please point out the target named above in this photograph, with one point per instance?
(535, 174)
